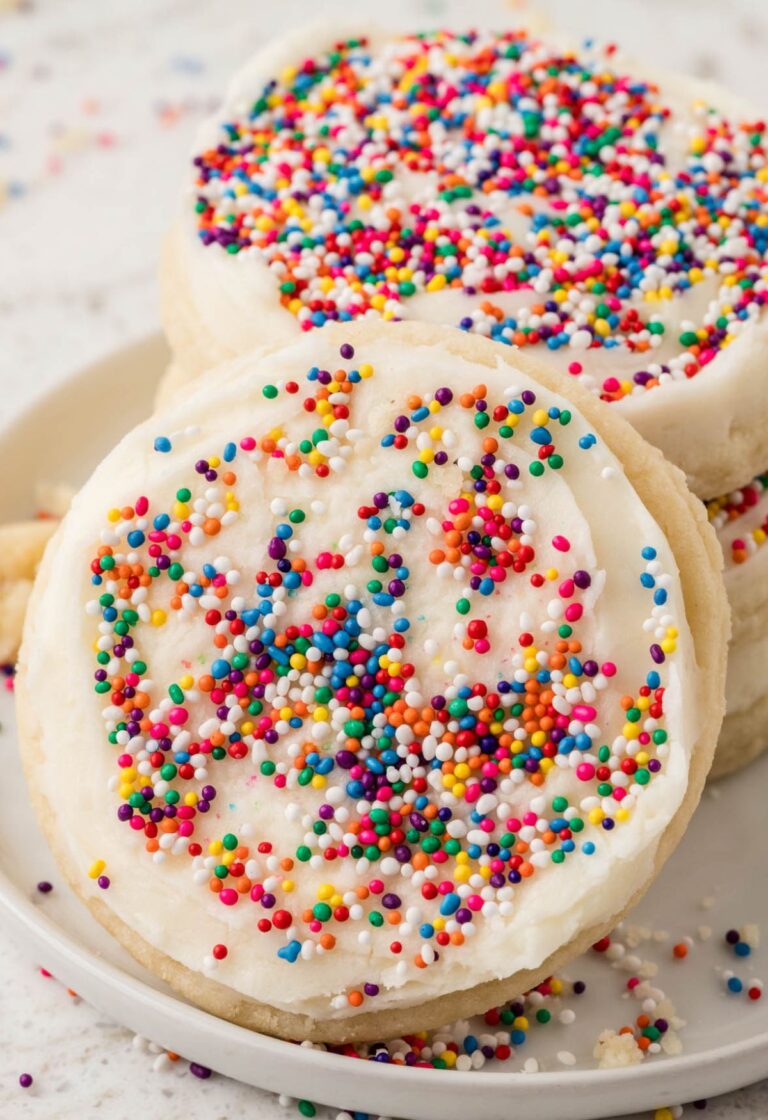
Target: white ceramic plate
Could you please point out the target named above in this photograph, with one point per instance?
(725, 1041)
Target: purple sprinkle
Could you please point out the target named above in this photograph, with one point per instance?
(44, 886)
(199, 1071)
(25, 1080)
(346, 350)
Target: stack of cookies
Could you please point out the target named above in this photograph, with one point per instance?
(393, 654)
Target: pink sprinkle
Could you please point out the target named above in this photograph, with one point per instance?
(608, 669)
(248, 443)
(573, 612)
(562, 544)
(177, 716)
(584, 712)
(228, 896)
(585, 771)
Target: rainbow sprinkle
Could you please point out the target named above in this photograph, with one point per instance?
(409, 790)
(543, 186)
(724, 511)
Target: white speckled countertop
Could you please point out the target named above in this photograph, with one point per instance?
(98, 102)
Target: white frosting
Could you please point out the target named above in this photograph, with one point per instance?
(589, 501)
(235, 299)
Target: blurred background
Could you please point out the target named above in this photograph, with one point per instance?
(99, 102)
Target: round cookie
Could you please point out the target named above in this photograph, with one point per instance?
(741, 521)
(384, 703)
(570, 201)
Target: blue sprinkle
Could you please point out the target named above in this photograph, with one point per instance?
(450, 905)
(162, 443)
(220, 668)
(229, 452)
(588, 848)
(742, 949)
(541, 436)
(648, 553)
(290, 952)
(587, 441)
(734, 984)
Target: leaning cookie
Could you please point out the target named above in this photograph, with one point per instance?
(741, 521)
(564, 200)
(380, 688)
(21, 548)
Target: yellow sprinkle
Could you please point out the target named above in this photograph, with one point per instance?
(158, 617)
(96, 868)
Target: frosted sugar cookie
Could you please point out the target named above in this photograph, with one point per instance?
(373, 681)
(552, 199)
(741, 521)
